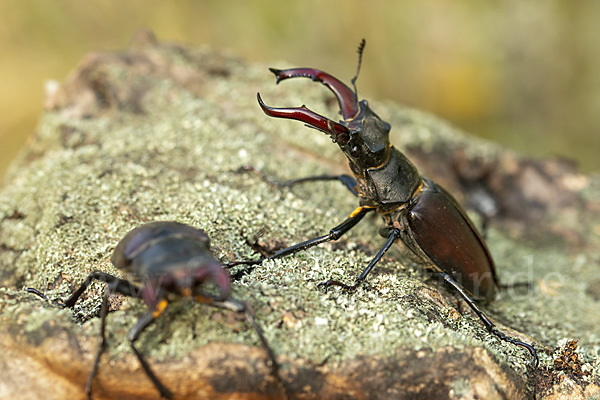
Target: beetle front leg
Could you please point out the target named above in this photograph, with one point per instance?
(117, 285)
(240, 307)
(133, 336)
(348, 181)
(394, 234)
(334, 234)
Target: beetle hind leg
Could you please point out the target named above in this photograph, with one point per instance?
(491, 327)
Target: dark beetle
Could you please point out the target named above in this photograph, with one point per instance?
(415, 210)
(165, 259)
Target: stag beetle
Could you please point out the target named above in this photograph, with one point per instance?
(424, 216)
(164, 259)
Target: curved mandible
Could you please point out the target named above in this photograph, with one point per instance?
(346, 97)
(338, 132)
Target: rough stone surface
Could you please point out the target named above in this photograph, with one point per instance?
(156, 132)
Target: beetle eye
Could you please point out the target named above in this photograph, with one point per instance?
(354, 150)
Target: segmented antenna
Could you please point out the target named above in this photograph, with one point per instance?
(361, 48)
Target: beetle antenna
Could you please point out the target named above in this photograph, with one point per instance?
(361, 48)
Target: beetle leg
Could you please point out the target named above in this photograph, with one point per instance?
(394, 234)
(348, 181)
(114, 285)
(134, 334)
(240, 307)
(491, 327)
(43, 296)
(117, 285)
(102, 345)
(334, 234)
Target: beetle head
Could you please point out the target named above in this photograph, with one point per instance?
(368, 139)
(361, 135)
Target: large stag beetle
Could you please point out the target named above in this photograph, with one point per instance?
(424, 216)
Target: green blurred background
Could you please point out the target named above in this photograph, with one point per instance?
(523, 73)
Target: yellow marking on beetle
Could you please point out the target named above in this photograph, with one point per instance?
(160, 307)
(355, 115)
(387, 158)
(393, 209)
(358, 210)
(418, 189)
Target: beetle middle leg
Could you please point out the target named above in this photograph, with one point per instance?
(394, 234)
(117, 285)
(145, 321)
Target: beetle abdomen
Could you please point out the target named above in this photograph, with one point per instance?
(148, 234)
(442, 230)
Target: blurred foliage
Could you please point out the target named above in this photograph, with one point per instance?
(525, 74)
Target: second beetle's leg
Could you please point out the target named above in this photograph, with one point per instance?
(394, 234)
(348, 181)
(134, 334)
(117, 285)
(114, 285)
(491, 327)
(239, 307)
(102, 345)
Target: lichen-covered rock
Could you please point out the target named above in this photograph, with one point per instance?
(157, 132)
